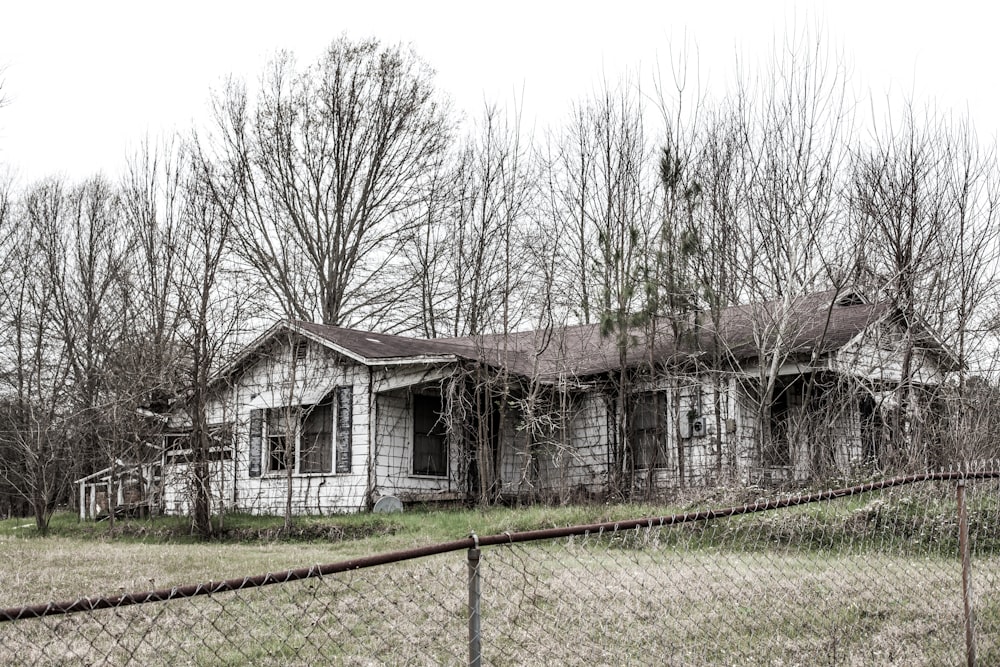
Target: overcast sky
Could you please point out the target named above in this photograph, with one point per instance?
(87, 80)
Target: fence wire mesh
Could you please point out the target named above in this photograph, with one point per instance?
(865, 579)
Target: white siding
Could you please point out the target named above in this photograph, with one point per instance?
(394, 454)
(709, 455)
(178, 491)
(575, 462)
(879, 357)
(276, 381)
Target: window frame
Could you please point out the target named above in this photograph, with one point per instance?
(311, 417)
(276, 459)
(177, 448)
(336, 435)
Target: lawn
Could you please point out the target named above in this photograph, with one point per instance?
(857, 582)
(86, 558)
(573, 602)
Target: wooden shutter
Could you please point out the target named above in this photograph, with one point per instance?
(256, 440)
(345, 424)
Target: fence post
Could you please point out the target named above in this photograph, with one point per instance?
(475, 647)
(963, 545)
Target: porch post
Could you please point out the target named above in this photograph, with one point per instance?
(475, 592)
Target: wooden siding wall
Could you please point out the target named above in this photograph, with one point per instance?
(579, 464)
(724, 453)
(516, 473)
(711, 456)
(394, 454)
(569, 462)
(178, 493)
(881, 361)
(276, 381)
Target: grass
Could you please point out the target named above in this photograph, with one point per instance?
(896, 518)
(84, 558)
(863, 580)
(575, 603)
(87, 559)
(351, 534)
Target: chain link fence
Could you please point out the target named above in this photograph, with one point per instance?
(861, 576)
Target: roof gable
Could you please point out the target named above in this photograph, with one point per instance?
(364, 347)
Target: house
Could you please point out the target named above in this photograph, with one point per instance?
(325, 419)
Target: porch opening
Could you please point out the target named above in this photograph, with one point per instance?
(430, 447)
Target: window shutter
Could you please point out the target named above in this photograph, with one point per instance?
(256, 440)
(345, 424)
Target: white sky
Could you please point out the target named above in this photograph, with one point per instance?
(87, 80)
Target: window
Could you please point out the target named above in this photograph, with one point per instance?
(315, 445)
(649, 429)
(281, 423)
(430, 448)
(301, 438)
(180, 447)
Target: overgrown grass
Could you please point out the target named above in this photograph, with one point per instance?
(86, 558)
(422, 525)
(871, 579)
(907, 519)
(558, 603)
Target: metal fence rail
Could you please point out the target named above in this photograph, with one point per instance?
(863, 575)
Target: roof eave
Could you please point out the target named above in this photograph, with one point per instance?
(413, 360)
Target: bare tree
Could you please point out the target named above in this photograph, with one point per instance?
(426, 258)
(568, 160)
(718, 274)
(212, 310)
(794, 122)
(612, 189)
(326, 166)
(79, 285)
(153, 196)
(964, 316)
(35, 420)
(486, 279)
(486, 225)
(924, 200)
(87, 253)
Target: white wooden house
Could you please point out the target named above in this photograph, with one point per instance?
(335, 419)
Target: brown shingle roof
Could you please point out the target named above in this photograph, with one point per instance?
(377, 346)
(813, 323)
